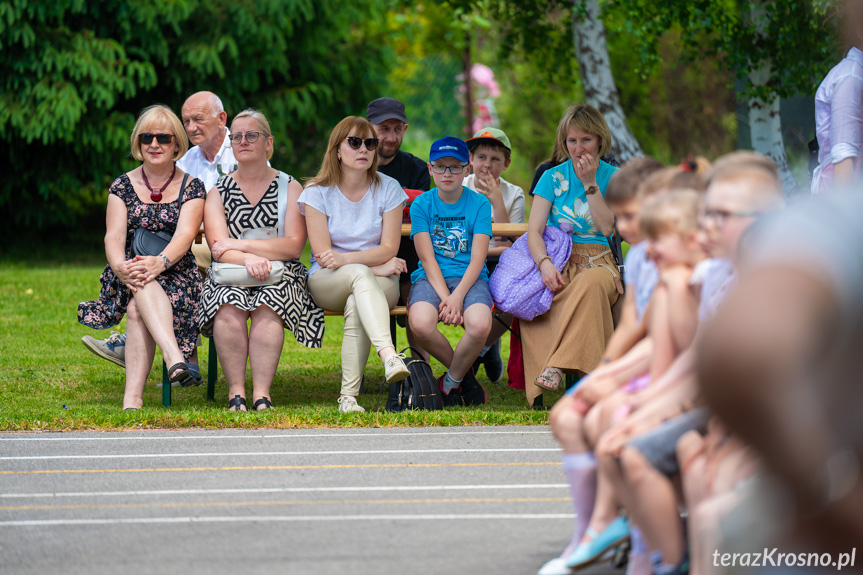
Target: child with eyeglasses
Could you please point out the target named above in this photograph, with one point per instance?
(451, 229)
(661, 434)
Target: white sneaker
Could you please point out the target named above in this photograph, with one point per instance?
(556, 566)
(395, 368)
(348, 404)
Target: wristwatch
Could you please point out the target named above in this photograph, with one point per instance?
(591, 190)
(166, 260)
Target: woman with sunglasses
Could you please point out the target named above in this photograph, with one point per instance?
(248, 199)
(158, 294)
(354, 217)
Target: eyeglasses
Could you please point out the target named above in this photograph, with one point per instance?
(251, 137)
(355, 142)
(454, 170)
(719, 217)
(147, 138)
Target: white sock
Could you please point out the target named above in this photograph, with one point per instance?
(449, 383)
(580, 470)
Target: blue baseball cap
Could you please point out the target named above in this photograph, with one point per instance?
(449, 147)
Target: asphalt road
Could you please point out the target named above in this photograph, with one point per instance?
(376, 501)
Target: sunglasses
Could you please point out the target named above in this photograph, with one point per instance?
(251, 137)
(147, 138)
(355, 142)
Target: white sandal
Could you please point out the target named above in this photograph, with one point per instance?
(549, 379)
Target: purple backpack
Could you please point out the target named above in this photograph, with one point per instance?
(516, 284)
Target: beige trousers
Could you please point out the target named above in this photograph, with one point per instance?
(366, 300)
(203, 257)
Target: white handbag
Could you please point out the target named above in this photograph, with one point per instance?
(237, 275)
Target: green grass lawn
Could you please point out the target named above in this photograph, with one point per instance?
(49, 381)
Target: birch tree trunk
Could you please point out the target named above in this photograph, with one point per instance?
(600, 91)
(765, 120)
(765, 127)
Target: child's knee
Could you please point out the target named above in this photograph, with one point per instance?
(689, 444)
(565, 422)
(423, 322)
(633, 463)
(477, 322)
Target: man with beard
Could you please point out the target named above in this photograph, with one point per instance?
(390, 122)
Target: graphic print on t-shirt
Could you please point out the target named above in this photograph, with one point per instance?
(575, 219)
(449, 236)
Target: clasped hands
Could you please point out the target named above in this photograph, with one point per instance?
(451, 308)
(139, 271)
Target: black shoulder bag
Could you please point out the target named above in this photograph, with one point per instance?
(147, 243)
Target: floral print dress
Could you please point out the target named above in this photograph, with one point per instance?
(182, 282)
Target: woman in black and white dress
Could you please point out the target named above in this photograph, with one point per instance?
(249, 322)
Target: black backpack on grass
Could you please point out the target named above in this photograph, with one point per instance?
(419, 390)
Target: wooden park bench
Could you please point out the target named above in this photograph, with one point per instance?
(498, 230)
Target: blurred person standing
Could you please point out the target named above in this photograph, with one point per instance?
(839, 111)
(780, 364)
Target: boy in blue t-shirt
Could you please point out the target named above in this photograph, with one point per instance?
(451, 228)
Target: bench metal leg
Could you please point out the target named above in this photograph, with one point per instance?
(571, 380)
(166, 386)
(212, 371)
(394, 331)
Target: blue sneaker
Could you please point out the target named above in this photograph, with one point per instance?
(660, 569)
(113, 349)
(589, 553)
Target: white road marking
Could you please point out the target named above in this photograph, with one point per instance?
(295, 435)
(282, 518)
(386, 488)
(273, 453)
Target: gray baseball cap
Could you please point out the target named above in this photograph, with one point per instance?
(384, 109)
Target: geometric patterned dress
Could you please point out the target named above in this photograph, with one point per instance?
(289, 298)
(181, 283)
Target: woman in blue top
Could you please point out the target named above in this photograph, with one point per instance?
(572, 335)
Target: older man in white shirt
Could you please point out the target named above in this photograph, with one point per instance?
(211, 157)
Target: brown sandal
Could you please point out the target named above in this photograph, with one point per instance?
(549, 379)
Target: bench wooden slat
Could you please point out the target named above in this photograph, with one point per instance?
(507, 229)
(503, 230)
(398, 310)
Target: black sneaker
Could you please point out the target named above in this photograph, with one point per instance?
(472, 391)
(453, 398)
(493, 363)
(478, 364)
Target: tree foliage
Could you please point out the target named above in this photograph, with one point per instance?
(75, 74)
(797, 37)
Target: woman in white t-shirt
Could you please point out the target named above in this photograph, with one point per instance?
(354, 215)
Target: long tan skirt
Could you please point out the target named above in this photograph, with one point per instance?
(572, 335)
